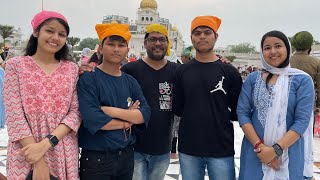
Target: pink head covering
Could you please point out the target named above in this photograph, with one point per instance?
(44, 15)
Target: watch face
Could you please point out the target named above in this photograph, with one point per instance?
(278, 150)
(53, 140)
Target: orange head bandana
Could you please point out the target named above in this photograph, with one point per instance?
(161, 29)
(209, 21)
(106, 30)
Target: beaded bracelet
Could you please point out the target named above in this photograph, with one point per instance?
(257, 144)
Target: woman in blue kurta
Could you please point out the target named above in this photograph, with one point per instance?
(274, 110)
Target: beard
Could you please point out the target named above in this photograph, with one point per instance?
(156, 57)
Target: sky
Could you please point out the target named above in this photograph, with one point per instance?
(242, 20)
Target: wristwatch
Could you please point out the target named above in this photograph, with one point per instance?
(53, 140)
(277, 148)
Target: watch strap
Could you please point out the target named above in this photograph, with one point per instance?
(278, 149)
(52, 139)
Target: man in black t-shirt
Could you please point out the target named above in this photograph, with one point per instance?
(155, 75)
(206, 92)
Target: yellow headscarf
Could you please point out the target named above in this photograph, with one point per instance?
(161, 29)
(105, 30)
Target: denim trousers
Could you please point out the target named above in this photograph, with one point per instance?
(150, 167)
(107, 165)
(193, 167)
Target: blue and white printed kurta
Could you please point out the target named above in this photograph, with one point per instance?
(253, 104)
(2, 111)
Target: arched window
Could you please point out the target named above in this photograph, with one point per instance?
(151, 19)
(147, 18)
(142, 18)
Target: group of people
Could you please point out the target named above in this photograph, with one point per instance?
(127, 111)
(245, 69)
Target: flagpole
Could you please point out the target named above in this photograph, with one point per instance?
(42, 5)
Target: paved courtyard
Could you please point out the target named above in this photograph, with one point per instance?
(173, 172)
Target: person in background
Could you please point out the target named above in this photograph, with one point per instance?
(301, 59)
(172, 57)
(275, 112)
(95, 59)
(2, 110)
(85, 54)
(42, 105)
(174, 143)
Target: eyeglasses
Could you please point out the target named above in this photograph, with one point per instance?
(153, 40)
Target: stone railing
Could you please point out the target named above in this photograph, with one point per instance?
(250, 56)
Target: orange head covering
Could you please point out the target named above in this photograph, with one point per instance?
(161, 29)
(209, 21)
(106, 30)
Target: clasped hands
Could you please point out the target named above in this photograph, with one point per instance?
(35, 151)
(34, 154)
(268, 156)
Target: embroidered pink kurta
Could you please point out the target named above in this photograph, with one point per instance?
(36, 103)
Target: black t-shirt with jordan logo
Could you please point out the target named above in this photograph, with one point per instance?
(206, 96)
(157, 88)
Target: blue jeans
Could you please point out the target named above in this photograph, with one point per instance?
(193, 167)
(150, 167)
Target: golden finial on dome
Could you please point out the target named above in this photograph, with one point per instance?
(151, 4)
(114, 22)
(174, 28)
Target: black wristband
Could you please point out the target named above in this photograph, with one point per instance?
(53, 140)
(277, 149)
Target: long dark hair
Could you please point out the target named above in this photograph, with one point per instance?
(32, 45)
(284, 38)
(95, 58)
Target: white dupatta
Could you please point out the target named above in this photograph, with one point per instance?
(275, 127)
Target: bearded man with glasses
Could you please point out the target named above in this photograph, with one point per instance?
(155, 75)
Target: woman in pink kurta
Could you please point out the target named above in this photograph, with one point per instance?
(39, 104)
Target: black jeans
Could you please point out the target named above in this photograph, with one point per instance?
(107, 165)
(174, 145)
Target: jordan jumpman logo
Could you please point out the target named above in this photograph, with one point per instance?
(219, 86)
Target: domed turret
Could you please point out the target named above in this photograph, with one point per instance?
(114, 22)
(174, 28)
(148, 4)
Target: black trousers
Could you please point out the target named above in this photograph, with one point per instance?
(107, 165)
(174, 145)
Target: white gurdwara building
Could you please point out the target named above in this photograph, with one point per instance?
(147, 14)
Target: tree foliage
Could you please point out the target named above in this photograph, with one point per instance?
(89, 43)
(243, 48)
(6, 31)
(73, 41)
(230, 58)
